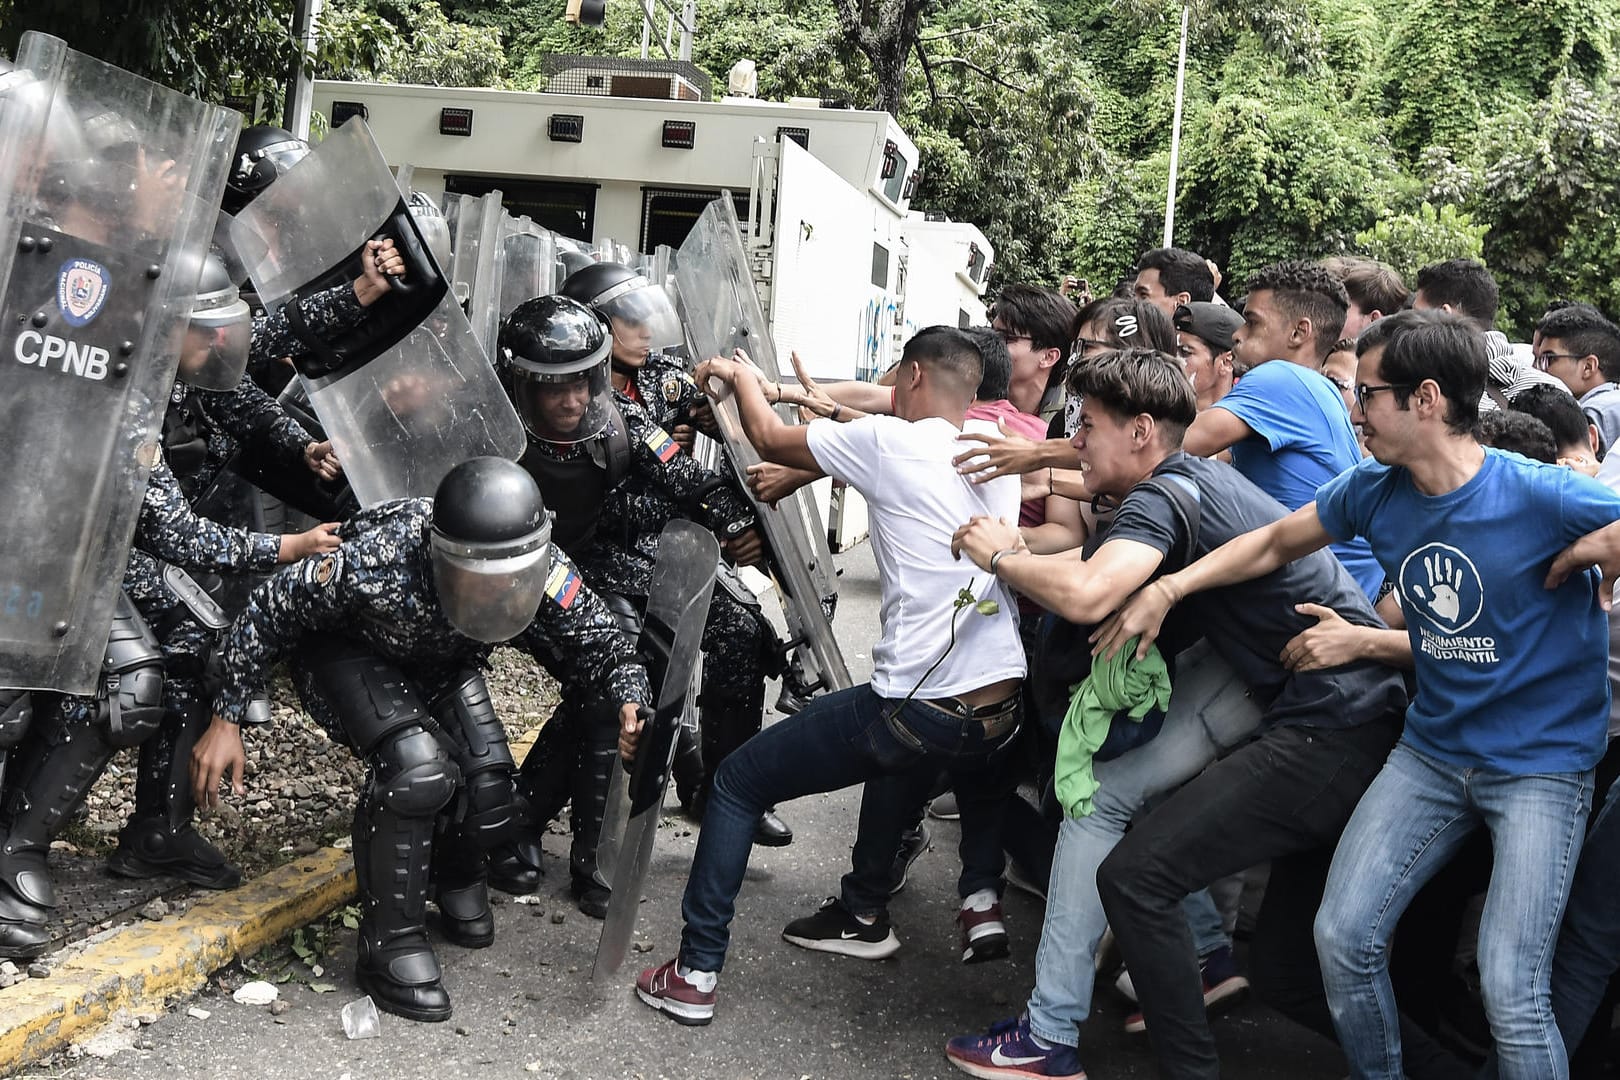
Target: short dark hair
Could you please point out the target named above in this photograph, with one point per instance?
(1370, 284)
(947, 350)
(1046, 316)
(1463, 285)
(1129, 382)
(1180, 271)
(1521, 433)
(997, 377)
(1127, 323)
(1585, 332)
(1305, 290)
(1436, 345)
(1558, 409)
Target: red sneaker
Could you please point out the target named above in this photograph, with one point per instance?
(984, 934)
(663, 988)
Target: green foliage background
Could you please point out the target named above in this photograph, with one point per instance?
(1410, 130)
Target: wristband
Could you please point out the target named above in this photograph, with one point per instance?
(838, 410)
(995, 560)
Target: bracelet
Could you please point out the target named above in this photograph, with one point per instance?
(838, 410)
(778, 400)
(995, 560)
(1049, 489)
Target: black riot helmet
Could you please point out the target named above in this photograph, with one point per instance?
(640, 314)
(491, 547)
(556, 352)
(215, 353)
(262, 154)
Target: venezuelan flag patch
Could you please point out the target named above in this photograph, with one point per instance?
(659, 442)
(563, 585)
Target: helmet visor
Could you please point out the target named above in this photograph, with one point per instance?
(215, 353)
(490, 599)
(643, 319)
(564, 408)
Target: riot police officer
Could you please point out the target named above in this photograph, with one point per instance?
(642, 322)
(585, 443)
(388, 634)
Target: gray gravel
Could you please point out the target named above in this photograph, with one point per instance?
(301, 785)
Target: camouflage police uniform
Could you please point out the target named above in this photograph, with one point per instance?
(737, 634)
(658, 482)
(201, 431)
(380, 667)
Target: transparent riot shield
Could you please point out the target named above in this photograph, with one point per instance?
(720, 312)
(531, 264)
(408, 393)
(483, 258)
(109, 187)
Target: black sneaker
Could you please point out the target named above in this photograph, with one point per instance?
(833, 929)
(913, 842)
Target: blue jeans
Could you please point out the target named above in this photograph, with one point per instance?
(1589, 943)
(1413, 818)
(1210, 712)
(838, 740)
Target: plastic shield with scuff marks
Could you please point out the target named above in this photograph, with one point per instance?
(408, 393)
(109, 188)
(481, 262)
(677, 608)
(530, 253)
(720, 313)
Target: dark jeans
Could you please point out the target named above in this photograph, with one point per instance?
(841, 739)
(1285, 798)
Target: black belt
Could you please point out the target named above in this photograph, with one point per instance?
(997, 717)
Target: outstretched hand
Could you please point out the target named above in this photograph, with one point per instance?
(217, 755)
(1011, 454)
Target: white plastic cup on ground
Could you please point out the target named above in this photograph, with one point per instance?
(360, 1019)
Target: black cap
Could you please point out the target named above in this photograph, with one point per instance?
(1213, 323)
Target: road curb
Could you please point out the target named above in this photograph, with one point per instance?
(145, 963)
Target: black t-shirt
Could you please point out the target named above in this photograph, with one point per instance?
(1250, 622)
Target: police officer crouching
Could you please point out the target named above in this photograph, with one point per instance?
(389, 635)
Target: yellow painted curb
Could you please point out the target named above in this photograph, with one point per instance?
(144, 963)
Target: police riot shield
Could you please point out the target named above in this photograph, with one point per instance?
(407, 393)
(109, 187)
(720, 312)
(677, 607)
(530, 268)
(479, 262)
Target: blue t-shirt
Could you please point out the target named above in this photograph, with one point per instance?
(1302, 439)
(1510, 677)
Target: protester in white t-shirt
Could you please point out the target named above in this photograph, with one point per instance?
(945, 687)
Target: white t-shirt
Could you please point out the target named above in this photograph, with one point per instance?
(917, 501)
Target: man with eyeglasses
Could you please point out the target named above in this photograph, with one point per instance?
(1490, 554)
(1581, 348)
(1037, 324)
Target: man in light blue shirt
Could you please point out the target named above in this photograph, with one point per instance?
(1284, 422)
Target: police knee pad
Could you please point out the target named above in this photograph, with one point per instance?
(132, 674)
(491, 808)
(16, 713)
(414, 777)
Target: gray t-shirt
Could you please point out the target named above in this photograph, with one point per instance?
(1249, 623)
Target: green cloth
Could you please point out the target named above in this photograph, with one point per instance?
(1120, 684)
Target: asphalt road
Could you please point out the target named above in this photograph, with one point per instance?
(526, 1006)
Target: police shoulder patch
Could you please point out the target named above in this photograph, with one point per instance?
(673, 388)
(563, 585)
(323, 571)
(659, 442)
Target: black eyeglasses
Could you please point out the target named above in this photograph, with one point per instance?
(1547, 359)
(1010, 336)
(1363, 392)
(1087, 347)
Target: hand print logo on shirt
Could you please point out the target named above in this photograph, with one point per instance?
(1440, 582)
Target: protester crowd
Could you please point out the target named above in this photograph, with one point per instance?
(1302, 591)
